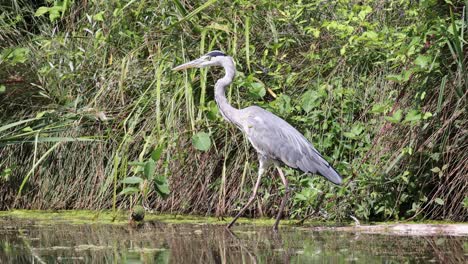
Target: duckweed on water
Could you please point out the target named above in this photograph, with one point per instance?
(121, 218)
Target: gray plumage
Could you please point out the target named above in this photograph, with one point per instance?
(275, 140)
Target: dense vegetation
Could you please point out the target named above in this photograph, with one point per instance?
(91, 115)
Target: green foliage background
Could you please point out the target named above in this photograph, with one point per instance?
(87, 95)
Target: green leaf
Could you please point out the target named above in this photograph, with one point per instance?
(378, 108)
(369, 35)
(99, 16)
(41, 11)
(314, 31)
(2, 88)
(427, 115)
(129, 190)
(413, 116)
(439, 201)
(435, 170)
(396, 117)
(132, 180)
(300, 197)
(161, 186)
(364, 12)
(310, 100)
(27, 129)
(356, 130)
(156, 154)
(5, 175)
(15, 55)
(54, 13)
(423, 61)
(400, 78)
(150, 166)
(212, 110)
(257, 90)
(201, 141)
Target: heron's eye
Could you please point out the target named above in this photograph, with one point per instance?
(208, 58)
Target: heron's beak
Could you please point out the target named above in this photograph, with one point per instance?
(191, 64)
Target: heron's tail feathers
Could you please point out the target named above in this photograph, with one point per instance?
(330, 173)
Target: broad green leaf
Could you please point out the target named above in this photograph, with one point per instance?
(54, 13)
(2, 88)
(201, 141)
(364, 12)
(439, 201)
(41, 11)
(129, 190)
(282, 103)
(378, 108)
(413, 116)
(314, 31)
(300, 197)
(310, 100)
(427, 115)
(161, 186)
(400, 78)
(369, 35)
(423, 61)
(150, 166)
(132, 180)
(15, 55)
(212, 110)
(99, 16)
(156, 154)
(356, 130)
(435, 169)
(396, 117)
(257, 90)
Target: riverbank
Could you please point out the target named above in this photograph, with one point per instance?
(423, 228)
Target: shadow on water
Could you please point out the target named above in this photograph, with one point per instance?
(35, 242)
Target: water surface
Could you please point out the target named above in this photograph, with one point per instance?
(31, 241)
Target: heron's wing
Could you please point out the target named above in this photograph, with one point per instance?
(275, 138)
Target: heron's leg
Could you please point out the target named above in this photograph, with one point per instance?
(285, 198)
(263, 163)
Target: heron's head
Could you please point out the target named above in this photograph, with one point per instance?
(212, 58)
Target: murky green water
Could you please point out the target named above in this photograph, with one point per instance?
(24, 241)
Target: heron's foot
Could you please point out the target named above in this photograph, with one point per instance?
(230, 225)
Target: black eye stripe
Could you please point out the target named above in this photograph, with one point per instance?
(215, 53)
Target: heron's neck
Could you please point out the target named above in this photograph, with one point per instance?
(226, 109)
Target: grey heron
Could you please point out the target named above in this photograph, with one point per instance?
(275, 141)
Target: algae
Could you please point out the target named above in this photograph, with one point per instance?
(122, 218)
